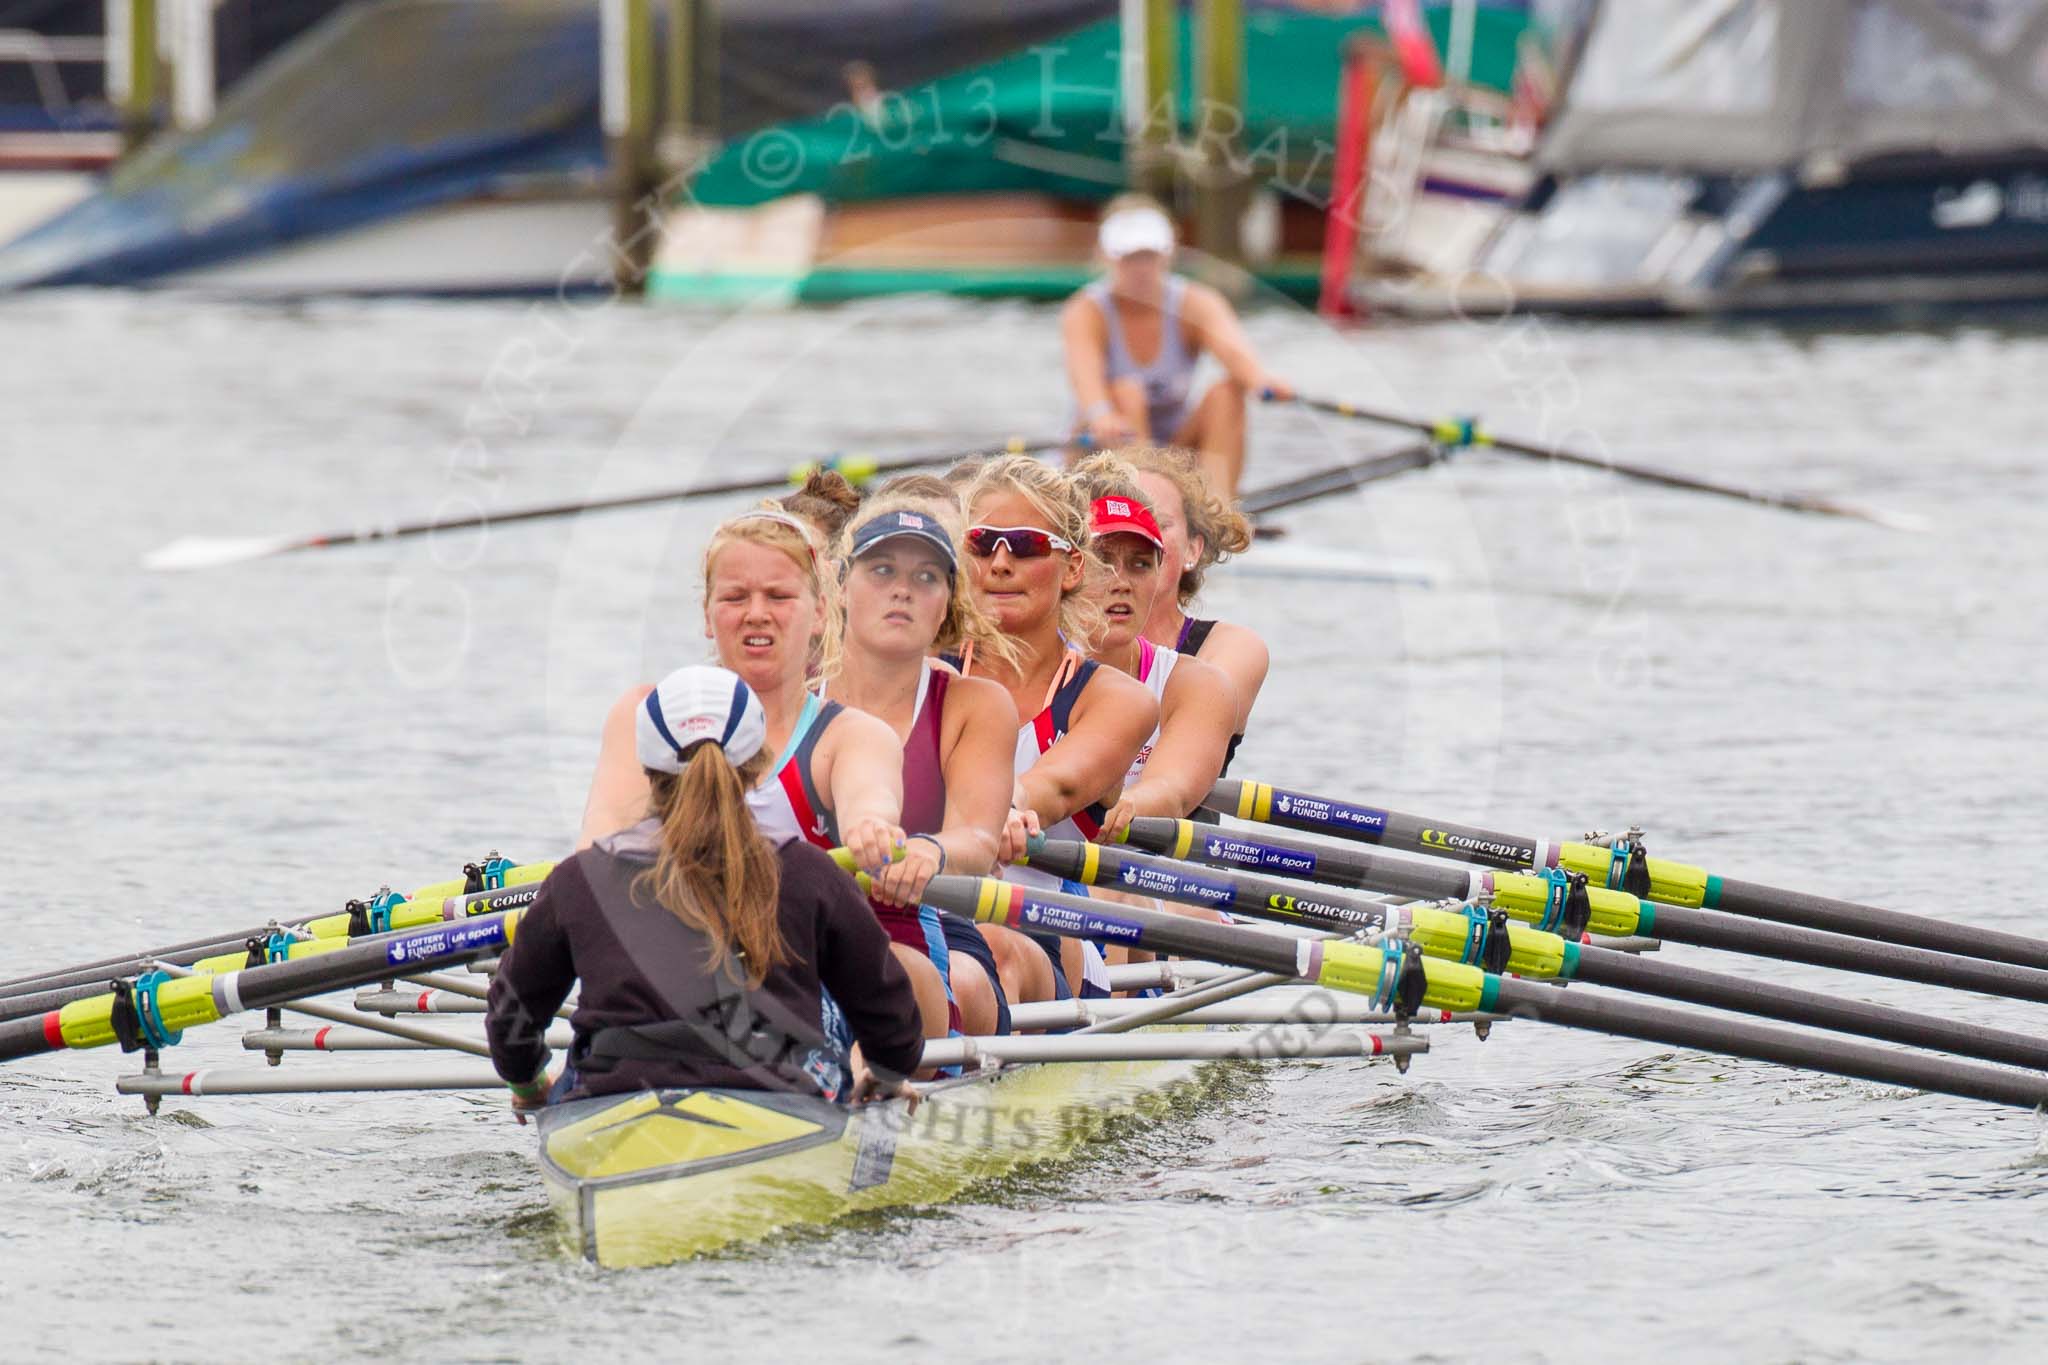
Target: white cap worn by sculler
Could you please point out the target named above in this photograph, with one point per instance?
(695, 704)
(1138, 228)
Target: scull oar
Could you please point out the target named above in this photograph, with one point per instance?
(1453, 434)
(1341, 478)
(153, 1010)
(1537, 896)
(1474, 936)
(205, 552)
(426, 905)
(1395, 976)
(1623, 866)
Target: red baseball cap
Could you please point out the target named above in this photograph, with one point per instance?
(1112, 516)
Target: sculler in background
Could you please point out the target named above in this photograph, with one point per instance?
(1132, 341)
(702, 944)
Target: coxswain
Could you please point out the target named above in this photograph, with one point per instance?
(1133, 338)
(703, 945)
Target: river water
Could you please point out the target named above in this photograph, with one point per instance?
(1793, 700)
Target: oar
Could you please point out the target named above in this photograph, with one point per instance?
(354, 1037)
(1341, 478)
(1272, 1043)
(1393, 975)
(1540, 896)
(310, 1080)
(491, 872)
(1477, 937)
(1625, 866)
(205, 552)
(428, 905)
(407, 1033)
(1295, 1005)
(1466, 432)
(153, 1010)
(1275, 1042)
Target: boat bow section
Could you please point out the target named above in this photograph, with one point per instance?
(648, 1178)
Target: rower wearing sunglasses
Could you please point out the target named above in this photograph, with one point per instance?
(902, 601)
(837, 774)
(1197, 704)
(1079, 725)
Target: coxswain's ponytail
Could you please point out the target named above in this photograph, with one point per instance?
(714, 871)
(702, 736)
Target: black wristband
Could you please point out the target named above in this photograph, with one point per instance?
(933, 840)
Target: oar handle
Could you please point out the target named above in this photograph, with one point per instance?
(845, 860)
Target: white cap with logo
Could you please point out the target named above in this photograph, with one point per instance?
(695, 704)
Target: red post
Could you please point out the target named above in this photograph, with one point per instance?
(1356, 87)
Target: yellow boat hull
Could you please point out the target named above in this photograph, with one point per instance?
(654, 1177)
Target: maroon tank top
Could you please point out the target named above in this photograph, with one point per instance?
(924, 807)
(924, 770)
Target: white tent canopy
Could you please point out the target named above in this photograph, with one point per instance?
(1747, 85)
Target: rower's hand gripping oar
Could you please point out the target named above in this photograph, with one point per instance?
(206, 552)
(1461, 432)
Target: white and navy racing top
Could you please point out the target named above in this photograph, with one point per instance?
(1155, 666)
(786, 805)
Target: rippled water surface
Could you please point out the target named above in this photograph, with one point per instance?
(1793, 700)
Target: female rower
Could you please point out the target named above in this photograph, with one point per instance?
(1079, 725)
(902, 601)
(1197, 703)
(826, 502)
(702, 945)
(1198, 529)
(837, 773)
(824, 499)
(1140, 307)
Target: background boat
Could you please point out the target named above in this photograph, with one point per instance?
(1758, 156)
(61, 129)
(463, 146)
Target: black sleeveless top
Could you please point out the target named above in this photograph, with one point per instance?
(1194, 633)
